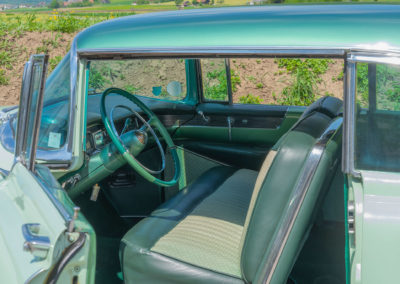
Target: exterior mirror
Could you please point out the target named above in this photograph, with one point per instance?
(30, 110)
(174, 88)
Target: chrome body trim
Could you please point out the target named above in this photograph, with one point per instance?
(297, 198)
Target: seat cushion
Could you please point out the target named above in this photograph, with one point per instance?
(194, 237)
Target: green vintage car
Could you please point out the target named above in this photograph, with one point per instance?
(146, 157)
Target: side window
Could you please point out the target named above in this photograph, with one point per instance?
(273, 81)
(154, 78)
(377, 121)
(213, 73)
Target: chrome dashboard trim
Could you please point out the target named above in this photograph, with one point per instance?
(296, 200)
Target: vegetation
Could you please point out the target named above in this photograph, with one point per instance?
(250, 99)
(216, 86)
(387, 86)
(3, 79)
(54, 4)
(305, 78)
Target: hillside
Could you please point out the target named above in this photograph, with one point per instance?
(17, 2)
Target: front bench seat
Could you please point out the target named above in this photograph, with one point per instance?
(233, 225)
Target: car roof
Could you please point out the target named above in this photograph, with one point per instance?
(341, 26)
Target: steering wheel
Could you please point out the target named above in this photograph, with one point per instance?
(141, 135)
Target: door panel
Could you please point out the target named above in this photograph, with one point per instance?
(238, 135)
(24, 200)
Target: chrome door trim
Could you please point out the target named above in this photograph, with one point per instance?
(297, 198)
(349, 118)
(39, 246)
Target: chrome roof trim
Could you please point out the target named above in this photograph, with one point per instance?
(297, 198)
(238, 51)
(211, 51)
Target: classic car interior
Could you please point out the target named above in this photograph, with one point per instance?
(210, 191)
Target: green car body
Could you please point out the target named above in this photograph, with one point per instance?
(30, 195)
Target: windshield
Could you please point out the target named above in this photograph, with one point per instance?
(55, 116)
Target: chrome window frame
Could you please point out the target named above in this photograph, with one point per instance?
(349, 115)
(61, 159)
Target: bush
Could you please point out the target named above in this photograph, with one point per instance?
(303, 90)
(66, 23)
(54, 4)
(305, 78)
(250, 99)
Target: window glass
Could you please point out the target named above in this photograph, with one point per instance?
(377, 146)
(55, 115)
(155, 78)
(273, 81)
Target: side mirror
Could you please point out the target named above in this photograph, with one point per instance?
(174, 88)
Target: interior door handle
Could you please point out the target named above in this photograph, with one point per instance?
(39, 246)
(205, 118)
(230, 121)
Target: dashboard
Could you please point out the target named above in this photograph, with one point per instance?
(97, 137)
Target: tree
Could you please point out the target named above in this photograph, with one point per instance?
(178, 2)
(54, 4)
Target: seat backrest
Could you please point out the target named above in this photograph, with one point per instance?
(290, 183)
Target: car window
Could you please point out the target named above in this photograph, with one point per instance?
(377, 146)
(273, 81)
(214, 79)
(155, 78)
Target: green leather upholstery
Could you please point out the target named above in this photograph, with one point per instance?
(208, 233)
(141, 264)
